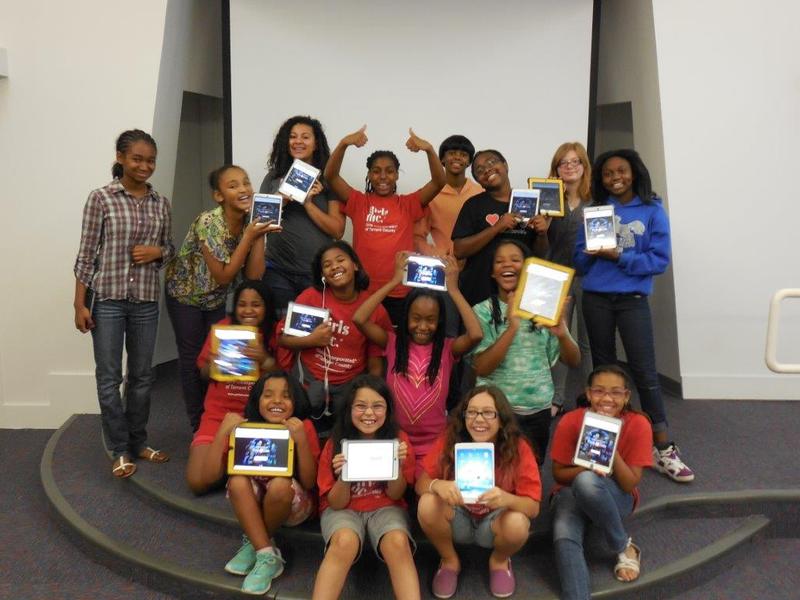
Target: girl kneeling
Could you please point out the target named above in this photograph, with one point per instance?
(501, 518)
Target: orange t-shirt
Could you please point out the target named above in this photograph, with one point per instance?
(440, 217)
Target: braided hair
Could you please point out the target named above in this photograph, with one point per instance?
(127, 139)
(401, 345)
(498, 318)
(371, 161)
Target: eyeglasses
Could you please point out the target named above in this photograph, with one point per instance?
(377, 409)
(479, 171)
(615, 393)
(569, 163)
(488, 415)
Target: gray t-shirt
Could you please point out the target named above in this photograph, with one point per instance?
(294, 248)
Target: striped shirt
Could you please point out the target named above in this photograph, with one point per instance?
(113, 223)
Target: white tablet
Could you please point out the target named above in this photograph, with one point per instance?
(524, 202)
(370, 460)
(260, 449)
(298, 181)
(266, 207)
(598, 222)
(474, 469)
(301, 319)
(425, 271)
(597, 442)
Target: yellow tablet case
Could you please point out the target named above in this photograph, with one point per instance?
(564, 274)
(259, 446)
(541, 183)
(225, 342)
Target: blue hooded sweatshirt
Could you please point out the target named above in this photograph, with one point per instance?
(643, 237)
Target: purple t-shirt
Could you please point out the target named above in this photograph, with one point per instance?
(420, 407)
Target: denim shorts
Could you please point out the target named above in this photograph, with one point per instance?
(469, 529)
(376, 523)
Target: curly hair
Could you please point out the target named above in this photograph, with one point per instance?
(506, 444)
(585, 185)
(280, 160)
(642, 186)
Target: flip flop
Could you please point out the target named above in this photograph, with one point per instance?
(154, 456)
(123, 468)
(625, 562)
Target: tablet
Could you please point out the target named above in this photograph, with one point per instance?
(525, 203)
(370, 460)
(266, 207)
(551, 196)
(545, 286)
(229, 362)
(260, 449)
(597, 442)
(426, 272)
(301, 319)
(298, 180)
(474, 469)
(598, 222)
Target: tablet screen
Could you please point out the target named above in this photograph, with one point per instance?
(372, 460)
(525, 203)
(474, 470)
(299, 179)
(597, 441)
(549, 197)
(301, 320)
(260, 450)
(422, 271)
(543, 291)
(267, 208)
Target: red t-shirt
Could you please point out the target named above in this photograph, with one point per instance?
(365, 496)
(382, 227)
(525, 480)
(634, 445)
(223, 397)
(349, 349)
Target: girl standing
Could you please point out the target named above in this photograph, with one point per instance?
(501, 518)
(516, 356)
(617, 282)
(126, 238)
(263, 504)
(307, 226)
(217, 247)
(376, 508)
(383, 220)
(225, 401)
(420, 358)
(584, 496)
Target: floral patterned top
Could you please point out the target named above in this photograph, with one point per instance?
(188, 278)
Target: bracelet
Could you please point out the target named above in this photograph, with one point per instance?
(430, 486)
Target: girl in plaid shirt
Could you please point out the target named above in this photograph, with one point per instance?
(125, 239)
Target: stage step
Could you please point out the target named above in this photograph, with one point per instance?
(180, 546)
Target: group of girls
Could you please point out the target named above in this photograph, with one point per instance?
(326, 386)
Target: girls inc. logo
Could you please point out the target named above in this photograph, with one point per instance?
(376, 215)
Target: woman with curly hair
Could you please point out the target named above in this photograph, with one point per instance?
(500, 520)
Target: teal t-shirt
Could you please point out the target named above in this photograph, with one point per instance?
(524, 375)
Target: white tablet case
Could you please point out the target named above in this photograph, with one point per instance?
(298, 181)
(370, 460)
(314, 313)
(597, 442)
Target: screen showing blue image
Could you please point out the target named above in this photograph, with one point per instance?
(425, 273)
(266, 209)
(474, 471)
(304, 321)
(230, 359)
(597, 446)
(299, 179)
(549, 196)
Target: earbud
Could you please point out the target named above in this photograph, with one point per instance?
(323, 280)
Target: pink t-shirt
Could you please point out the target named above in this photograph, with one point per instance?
(420, 408)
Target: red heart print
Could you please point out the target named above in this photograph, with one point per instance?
(492, 218)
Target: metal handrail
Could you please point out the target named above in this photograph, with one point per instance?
(772, 333)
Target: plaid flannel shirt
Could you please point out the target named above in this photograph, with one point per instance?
(113, 223)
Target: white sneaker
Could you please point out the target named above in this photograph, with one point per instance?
(669, 463)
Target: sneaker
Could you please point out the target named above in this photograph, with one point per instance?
(268, 566)
(502, 582)
(242, 563)
(669, 463)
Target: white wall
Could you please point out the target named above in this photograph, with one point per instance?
(79, 73)
(509, 75)
(627, 72)
(729, 100)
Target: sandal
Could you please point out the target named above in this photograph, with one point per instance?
(625, 562)
(123, 467)
(154, 456)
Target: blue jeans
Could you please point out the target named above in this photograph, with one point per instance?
(630, 314)
(134, 324)
(191, 326)
(590, 498)
(285, 286)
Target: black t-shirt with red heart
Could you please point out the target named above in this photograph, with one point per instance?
(478, 213)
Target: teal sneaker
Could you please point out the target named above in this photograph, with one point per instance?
(242, 563)
(268, 567)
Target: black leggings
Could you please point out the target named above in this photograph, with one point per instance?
(536, 428)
